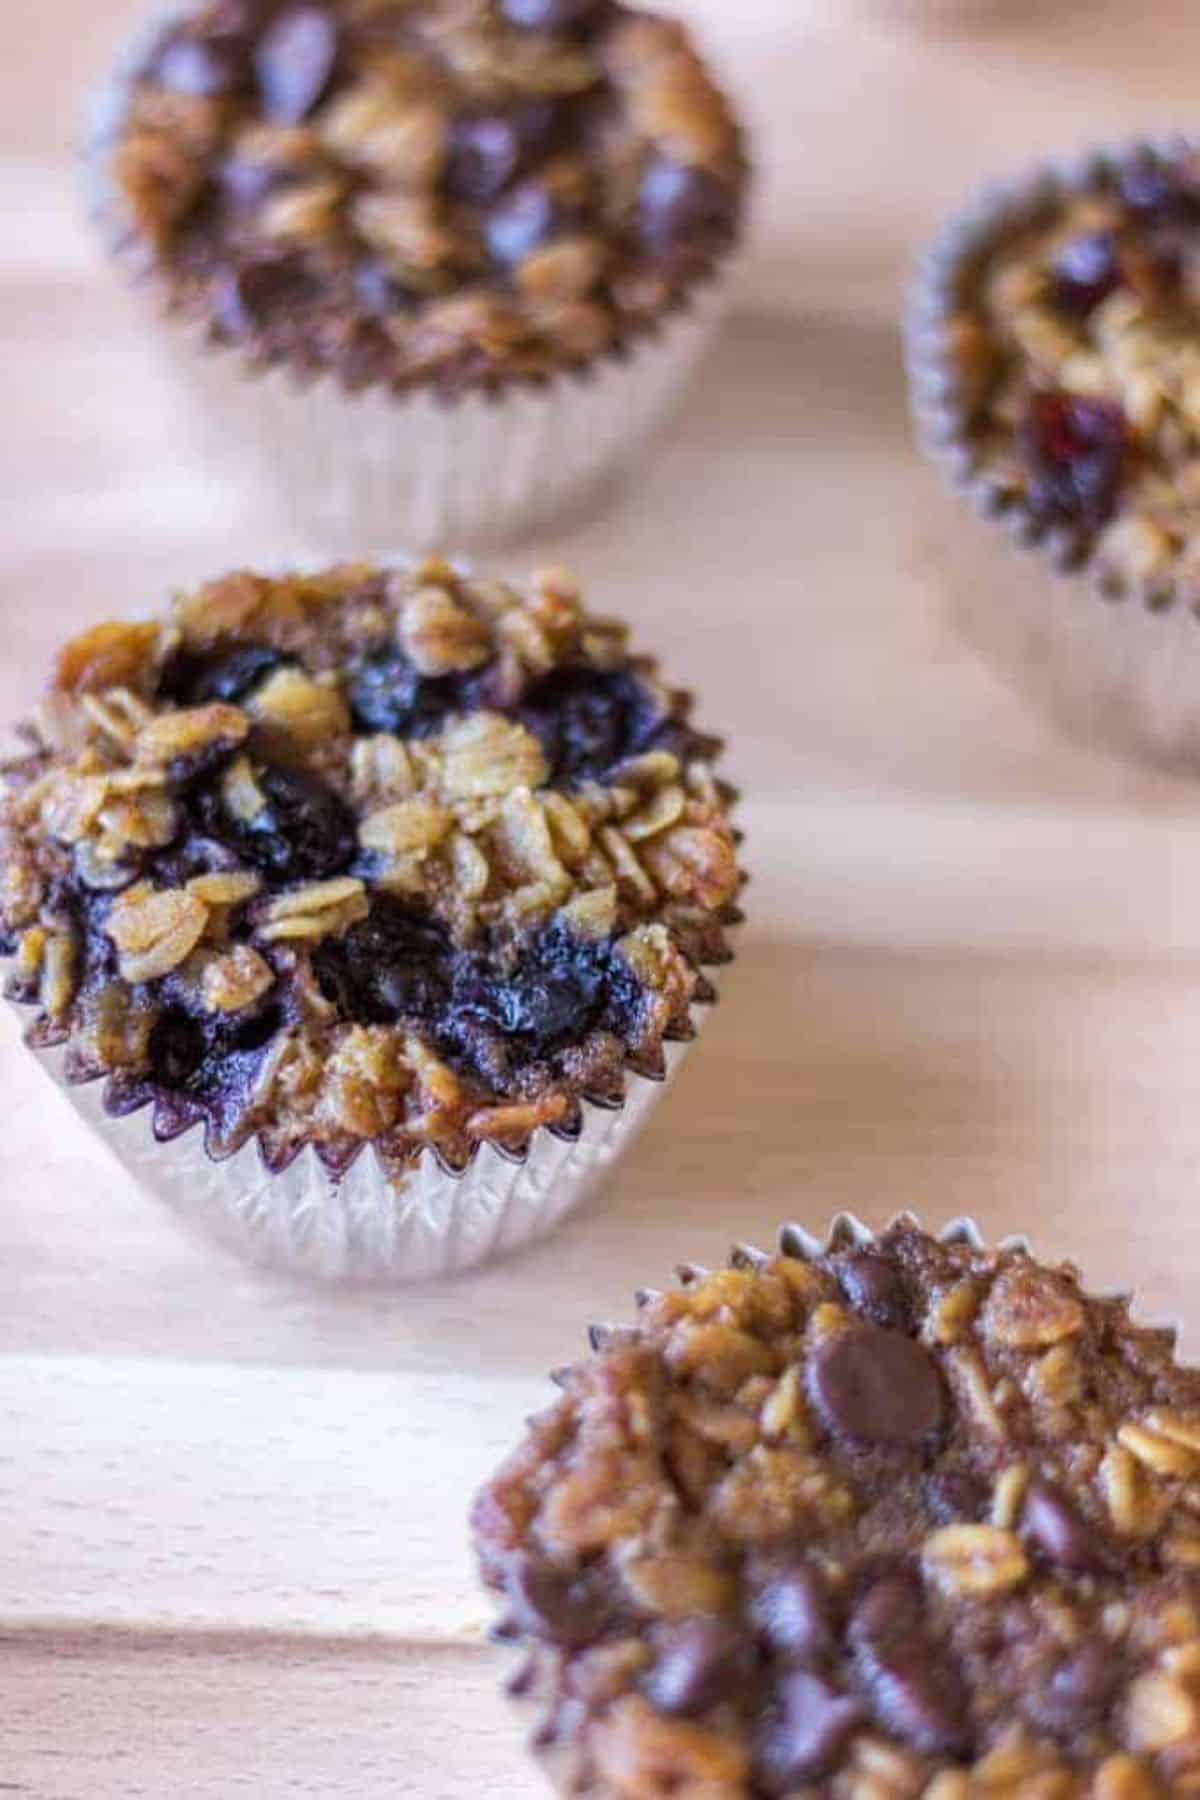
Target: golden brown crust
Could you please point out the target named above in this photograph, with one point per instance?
(463, 192)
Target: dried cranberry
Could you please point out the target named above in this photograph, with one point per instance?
(305, 832)
(588, 720)
(388, 693)
(191, 678)
(1075, 449)
(1085, 272)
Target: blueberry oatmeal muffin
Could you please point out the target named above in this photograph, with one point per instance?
(886, 1517)
(498, 223)
(398, 883)
(1054, 348)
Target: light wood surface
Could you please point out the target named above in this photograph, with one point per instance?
(232, 1553)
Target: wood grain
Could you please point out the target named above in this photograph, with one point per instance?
(232, 1553)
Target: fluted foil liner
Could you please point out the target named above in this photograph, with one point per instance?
(360, 1226)
(356, 474)
(1118, 667)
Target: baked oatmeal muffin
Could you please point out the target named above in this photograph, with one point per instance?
(884, 1517)
(394, 883)
(470, 247)
(1055, 348)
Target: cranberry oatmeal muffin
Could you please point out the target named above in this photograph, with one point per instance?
(1055, 349)
(396, 885)
(472, 247)
(884, 1517)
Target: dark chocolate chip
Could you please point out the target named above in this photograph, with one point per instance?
(1076, 1694)
(699, 1664)
(787, 1607)
(680, 202)
(888, 1614)
(1085, 271)
(921, 1698)
(1162, 193)
(549, 1603)
(873, 1285)
(206, 69)
(521, 223)
(876, 1386)
(295, 62)
(244, 298)
(540, 123)
(552, 15)
(483, 157)
(1147, 187)
(1052, 1526)
(247, 181)
(954, 1494)
(803, 1737)
(377, 289)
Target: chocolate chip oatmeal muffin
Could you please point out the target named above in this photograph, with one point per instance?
(396, 884)
(896, 1516)
(497, 223)
(1054, 343)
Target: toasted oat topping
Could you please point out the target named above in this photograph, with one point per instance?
(464, 191)
(898, 1519)
(1076, 341)
(400, 856)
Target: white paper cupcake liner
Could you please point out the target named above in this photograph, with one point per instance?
(353, 474)
(360, 1226)
(1116, 666)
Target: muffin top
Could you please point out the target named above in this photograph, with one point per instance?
(457, 192)
(367, 855)
(1075, 343)
(893, 1518)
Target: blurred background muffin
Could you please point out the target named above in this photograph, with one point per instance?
(469, 252)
